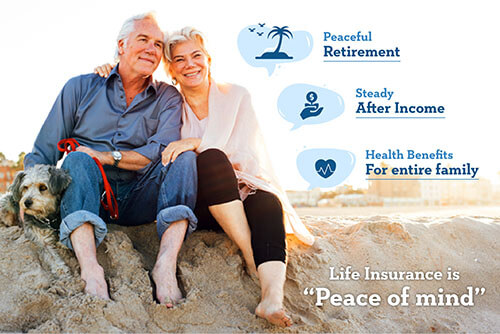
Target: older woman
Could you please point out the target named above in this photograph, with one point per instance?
(237, 189)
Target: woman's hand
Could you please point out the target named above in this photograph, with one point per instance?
(104, 70)
(174, 149)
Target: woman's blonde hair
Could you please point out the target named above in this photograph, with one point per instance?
(183, 35)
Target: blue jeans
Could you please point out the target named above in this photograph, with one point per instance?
(165, 193)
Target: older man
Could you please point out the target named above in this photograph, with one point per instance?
(124, 121)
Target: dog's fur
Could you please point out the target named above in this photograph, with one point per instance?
(37, 191)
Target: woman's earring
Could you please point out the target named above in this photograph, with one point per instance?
(174, 81)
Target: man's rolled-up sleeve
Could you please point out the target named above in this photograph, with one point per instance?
(57, 126)
(169, 125)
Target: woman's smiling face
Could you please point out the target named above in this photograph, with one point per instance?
(190, 65)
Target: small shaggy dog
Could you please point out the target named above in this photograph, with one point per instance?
(37, 192)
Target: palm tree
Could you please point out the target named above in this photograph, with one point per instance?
(283, 31)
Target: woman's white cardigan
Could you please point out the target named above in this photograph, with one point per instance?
(232, 127)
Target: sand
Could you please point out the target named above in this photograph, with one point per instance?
(221, 297)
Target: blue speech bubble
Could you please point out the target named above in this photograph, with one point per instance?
(263, 46)
(325, 167)
(303, 104)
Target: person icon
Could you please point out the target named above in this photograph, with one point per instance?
(312, 108)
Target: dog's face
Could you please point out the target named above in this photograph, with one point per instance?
(39, 189)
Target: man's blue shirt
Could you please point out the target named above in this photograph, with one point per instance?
(93, 111)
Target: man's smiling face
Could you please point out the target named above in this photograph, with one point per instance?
(142, 52)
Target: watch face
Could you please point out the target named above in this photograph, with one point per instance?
(116, 155)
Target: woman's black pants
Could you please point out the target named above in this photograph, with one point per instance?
(217, 184)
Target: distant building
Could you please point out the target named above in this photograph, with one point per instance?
(7, 174)
(354, 200)
(467, 192)
(395, 192)
(478, 192)
(393, 188)
(347, 189)
(496, 193)
(304, 198)
(431, 191)
(484, 191)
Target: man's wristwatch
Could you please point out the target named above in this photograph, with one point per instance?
(117, 156)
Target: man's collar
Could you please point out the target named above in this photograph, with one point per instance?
(113, 73)
(152, 84)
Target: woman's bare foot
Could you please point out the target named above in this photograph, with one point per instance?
(272, 275)
(252, 271)
(275, 315)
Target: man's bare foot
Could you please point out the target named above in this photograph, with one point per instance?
(95, 284)
(275, 315)
(167, 288)
(163, 273)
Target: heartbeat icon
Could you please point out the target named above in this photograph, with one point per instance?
(325, 168)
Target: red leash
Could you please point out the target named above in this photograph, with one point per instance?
(69, 145)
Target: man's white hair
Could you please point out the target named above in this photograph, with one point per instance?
(128, 27)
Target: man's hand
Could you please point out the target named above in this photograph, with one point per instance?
(130, 160)
(104, 158)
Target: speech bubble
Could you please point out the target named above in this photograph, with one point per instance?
(266, 46)
(294, 103)
(325, 167)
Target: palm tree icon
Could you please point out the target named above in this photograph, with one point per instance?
(283, 31)
(276, 54)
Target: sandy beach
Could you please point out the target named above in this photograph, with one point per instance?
(221, 297)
